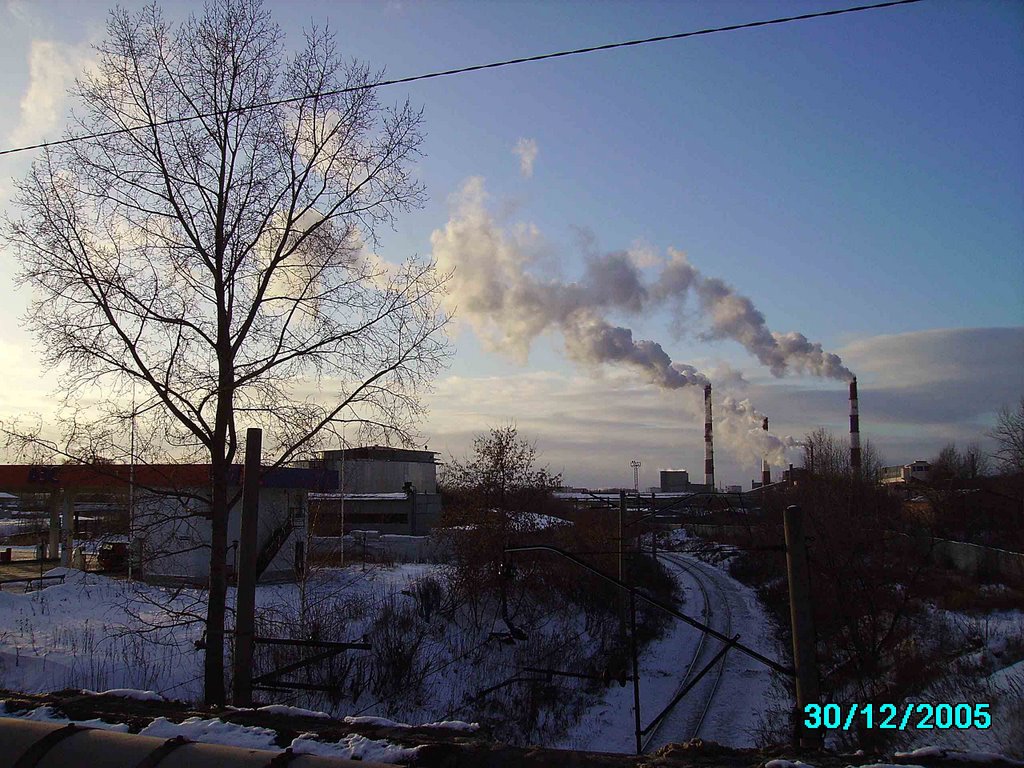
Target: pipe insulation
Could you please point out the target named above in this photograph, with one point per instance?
(854, 428)
(709, 447)
(32, 744)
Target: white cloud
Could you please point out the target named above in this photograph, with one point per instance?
(526, 150)
(53, 67)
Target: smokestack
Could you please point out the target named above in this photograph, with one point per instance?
(766, 474)
(854, 429)
(709, 449)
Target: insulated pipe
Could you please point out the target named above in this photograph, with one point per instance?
(854, 429)
(766, 474)
(54, 745)
(709, 449)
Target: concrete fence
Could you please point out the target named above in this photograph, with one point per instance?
(973, 559)
(373, 546)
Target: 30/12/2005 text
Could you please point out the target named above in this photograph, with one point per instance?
(910, 716)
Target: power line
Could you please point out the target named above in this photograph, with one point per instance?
(462, 70)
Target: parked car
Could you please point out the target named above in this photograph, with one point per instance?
(113, 555)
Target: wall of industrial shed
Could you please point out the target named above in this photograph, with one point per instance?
(174, 532)
(374, 476)
(413, 516)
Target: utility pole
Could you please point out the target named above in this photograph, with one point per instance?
(245, 607)
(802, 622)
(622, 515)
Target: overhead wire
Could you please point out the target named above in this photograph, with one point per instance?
(458, 71)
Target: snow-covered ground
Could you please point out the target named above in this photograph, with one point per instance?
(742, 694)
(85, 633)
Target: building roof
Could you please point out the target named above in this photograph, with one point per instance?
(40, 478)
(380, 453)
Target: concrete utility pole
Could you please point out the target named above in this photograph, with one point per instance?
(622, 515)
(802, 622)
(245, 607)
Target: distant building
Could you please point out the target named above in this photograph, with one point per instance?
(674, 480)
(390, 490)
(916, 471)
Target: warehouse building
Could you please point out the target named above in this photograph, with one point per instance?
(390, 490)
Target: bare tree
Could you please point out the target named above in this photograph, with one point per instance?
(501, 474)
(210, 252)
(1009, 436)
(826, 455)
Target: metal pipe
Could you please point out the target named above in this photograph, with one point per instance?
(854, 428)
(45, 745)
(709, 449)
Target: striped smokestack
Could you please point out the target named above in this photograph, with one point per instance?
(766, 474)
(709, 448)
(854, 428)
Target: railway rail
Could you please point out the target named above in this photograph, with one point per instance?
(679, 716)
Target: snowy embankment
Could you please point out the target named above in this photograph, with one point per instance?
(742, 695)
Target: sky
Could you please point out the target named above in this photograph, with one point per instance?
(857, 179)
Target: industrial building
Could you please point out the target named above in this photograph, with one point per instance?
(390, 490)
(918, 471)
(170, 525)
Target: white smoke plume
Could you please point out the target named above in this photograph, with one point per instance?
(509, 306)
(740, 426)
(526, 150)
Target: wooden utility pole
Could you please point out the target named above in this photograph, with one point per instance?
(245, 607)
(802, 622)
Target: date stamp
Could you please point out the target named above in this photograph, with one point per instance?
(902, 717)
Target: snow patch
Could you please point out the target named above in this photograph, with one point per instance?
(354, 747)
(213, 731)
(284, 709)
(128, 693)
(453, 725)
(48, 714)
(955, 755)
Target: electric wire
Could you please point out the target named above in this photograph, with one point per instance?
(458, 71)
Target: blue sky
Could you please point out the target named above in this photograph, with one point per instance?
(859, 178)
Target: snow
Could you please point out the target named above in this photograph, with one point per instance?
(283, 709)
(74, 635)
(744, 690)
(787, 764)
(454, 725)
(213, 731)
(128, 693)
(48, 715)
(355, 747)
(958, 756)
(359, 496)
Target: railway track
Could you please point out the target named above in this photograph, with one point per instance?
(680, 720)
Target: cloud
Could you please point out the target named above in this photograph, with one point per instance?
(53, 67)
(917, 391)
(940, 376)
(526, 150)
